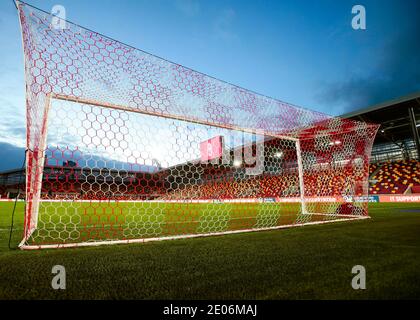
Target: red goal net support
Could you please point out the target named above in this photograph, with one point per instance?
(124, 146)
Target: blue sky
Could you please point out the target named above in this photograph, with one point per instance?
(302, 52)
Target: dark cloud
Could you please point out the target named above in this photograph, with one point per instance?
(11, 157)
(395, 73)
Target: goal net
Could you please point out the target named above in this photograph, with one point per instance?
(124, 146)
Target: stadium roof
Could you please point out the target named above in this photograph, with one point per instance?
(392, 115)
(404, 100)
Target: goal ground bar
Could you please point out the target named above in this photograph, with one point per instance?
(188, 236)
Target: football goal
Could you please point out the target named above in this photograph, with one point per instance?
(124, 146)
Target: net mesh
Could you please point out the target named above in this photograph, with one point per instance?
(124, 145)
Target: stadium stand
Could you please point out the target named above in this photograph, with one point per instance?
(396, 177)
(269, 186)
(372, 168)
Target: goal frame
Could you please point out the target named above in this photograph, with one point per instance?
(35, 156)
(33, 209)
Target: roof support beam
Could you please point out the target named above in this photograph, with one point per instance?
(414, 129)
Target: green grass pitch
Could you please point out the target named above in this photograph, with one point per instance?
(75, 222)
(310, 262)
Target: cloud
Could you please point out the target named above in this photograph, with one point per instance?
(223, 25)
(188, 7)
(12, 123)
(12, 99)
(11, 156)
(395, 73)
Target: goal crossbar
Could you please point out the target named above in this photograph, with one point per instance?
(169, 116)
